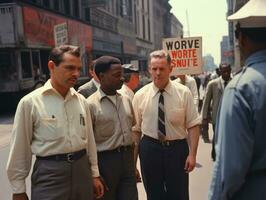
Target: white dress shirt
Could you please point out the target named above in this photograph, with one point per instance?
(125, 90)
(190, 82)
(48, 124)
(180, 110)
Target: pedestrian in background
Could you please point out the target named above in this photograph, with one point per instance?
(212, 99)
(190, 82)
(166, 131)
(90, 87)
(131, 80)
(240, 169)
(54, 123)
(113, 117)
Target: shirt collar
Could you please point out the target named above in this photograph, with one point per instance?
(102, 95)
(167, 89)
(48, 87)
(96, 83)
(259, 56)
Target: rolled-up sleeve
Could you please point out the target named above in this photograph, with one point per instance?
(20, 156)
(91, 147)
(137, 113)
(192, 116)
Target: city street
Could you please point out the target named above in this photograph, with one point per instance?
(199, 178)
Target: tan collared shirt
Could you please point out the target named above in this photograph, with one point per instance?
(48, 124)
(112, 124)
(125, 90)
(180, 110)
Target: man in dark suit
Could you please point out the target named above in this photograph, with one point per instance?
(90, 87)
(213, 95)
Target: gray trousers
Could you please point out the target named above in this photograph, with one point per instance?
(118, 171)
(61, 180)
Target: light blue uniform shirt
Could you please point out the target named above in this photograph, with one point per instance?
(240, 168)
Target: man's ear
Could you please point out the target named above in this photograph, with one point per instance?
(149, 69)
(100, 77)
(51, 65)
(170, 67)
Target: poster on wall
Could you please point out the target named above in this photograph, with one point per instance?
(186, 54)
(60, 34)
(44, 29)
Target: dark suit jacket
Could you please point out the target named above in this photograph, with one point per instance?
(87, 89)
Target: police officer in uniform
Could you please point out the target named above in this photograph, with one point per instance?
(240, 168)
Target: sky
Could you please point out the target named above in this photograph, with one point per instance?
(207, 18)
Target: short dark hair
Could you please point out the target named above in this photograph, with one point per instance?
(223, 65)
(127, 77)
(104, 63)
(57, 53)
(256, 35)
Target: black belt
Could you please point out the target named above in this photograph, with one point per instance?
(118, 149)
(70, 157)
(165, 142)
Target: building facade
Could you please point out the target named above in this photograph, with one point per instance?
(232, 7)
(227, 54)
(127, 29)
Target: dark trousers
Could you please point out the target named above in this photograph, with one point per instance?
(213, 153)
(61, 180)
(118, 171)
(162, 169)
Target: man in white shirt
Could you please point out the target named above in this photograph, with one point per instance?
(190, 82)
(166, 118)
(131, 80)
(54, 123)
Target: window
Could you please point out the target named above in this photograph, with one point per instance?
(76, 8)
(26, 64)
(33, 1)
(46, 3)
(87, 14)
(7, 66)
(67, 7)
(36, 65)
(56, 4)
(144, 27)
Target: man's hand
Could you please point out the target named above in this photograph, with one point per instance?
(98, 188)
(22, 196)
(138, 177)
(190, 163)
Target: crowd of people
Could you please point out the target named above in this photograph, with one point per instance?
(87, 142)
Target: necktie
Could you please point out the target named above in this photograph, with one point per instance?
(161, 117)
(225, 83)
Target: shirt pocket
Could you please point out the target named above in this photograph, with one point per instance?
(176, 116)
(83, 126)
(49, 129)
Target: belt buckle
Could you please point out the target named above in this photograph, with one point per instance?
(166, 143)
(70, 157)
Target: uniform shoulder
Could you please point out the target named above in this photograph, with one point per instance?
(92, 97)
(85, 86)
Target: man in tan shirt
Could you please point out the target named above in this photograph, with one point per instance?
(166, 118)
(112, 119)
(54, 123)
